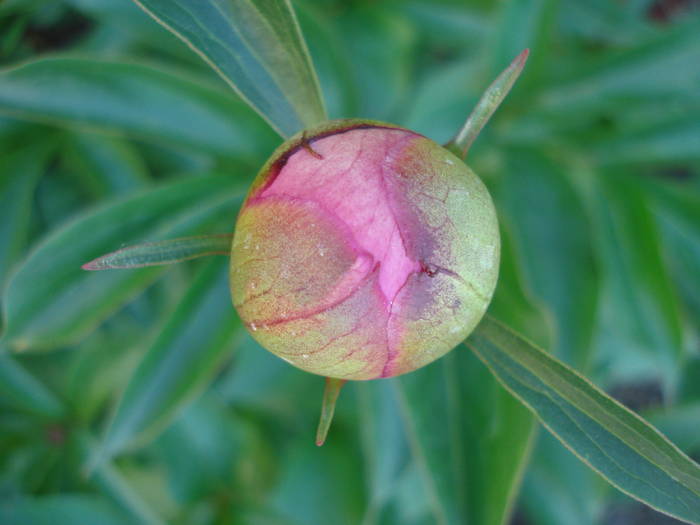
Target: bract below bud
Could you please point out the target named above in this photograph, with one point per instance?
(363, 250)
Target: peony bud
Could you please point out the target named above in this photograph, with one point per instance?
(363, 250)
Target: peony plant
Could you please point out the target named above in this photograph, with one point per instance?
(362, 251)
(365, 250)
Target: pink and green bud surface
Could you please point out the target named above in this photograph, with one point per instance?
(363, 250)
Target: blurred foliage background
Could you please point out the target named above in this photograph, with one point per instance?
(137, 397)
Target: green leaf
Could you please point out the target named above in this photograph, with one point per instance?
(673, 140)
(183, 359)
(387, 43)
(112, 484)
(555, 246)
(19, 173)
(523, 24)
(51, 302)
(107, 165)
(487, 105)
(680, 423)
(384, 443)
(135, 99)
(547, 497)
(257, 48)
(215, 440)
(330, 56)
(20, 390)
(676, 208)
(664, 66)
(615, 442)
(609, 23)
(61, 509)
(307, 490)
(471, 475)
(639, 314)
(163, 252)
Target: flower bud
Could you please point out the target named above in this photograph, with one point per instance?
(363, 250)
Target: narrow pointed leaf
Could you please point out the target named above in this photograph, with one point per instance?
(257, 48)
(330, 397)
(163, 252)
(615, 442)
(183, 358)
(134, 99)
(50, 301)
(487, 105)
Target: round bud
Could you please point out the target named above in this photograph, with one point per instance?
(363, 250)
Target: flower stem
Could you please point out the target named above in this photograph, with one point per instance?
(486, 106)
(330, 396)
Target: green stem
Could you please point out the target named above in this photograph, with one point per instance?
(486, 106)
(330, 396)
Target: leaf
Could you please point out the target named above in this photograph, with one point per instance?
(487, 105)
(471, 474)
(385, 447)
(608, 23)
(673, 140)
(257, 48)
(61, 509)
(523, 24)
(184, 358)
(680, 423)
(659, 67)
(330, 397)
(215, 440)
(547, 497)
(319, 486)
(134, 99)
(51, 302)
(163, 252)
(458, 25)
(676, 208)
(555, 246)
(20, 390)
(330, 56)
(19, 174)
(108, 165)
(112, 484)
(639, 313)
(387, 43)
(615, 442)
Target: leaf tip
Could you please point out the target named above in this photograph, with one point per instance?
(330, 396)
(522, 57)
(91, 266)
